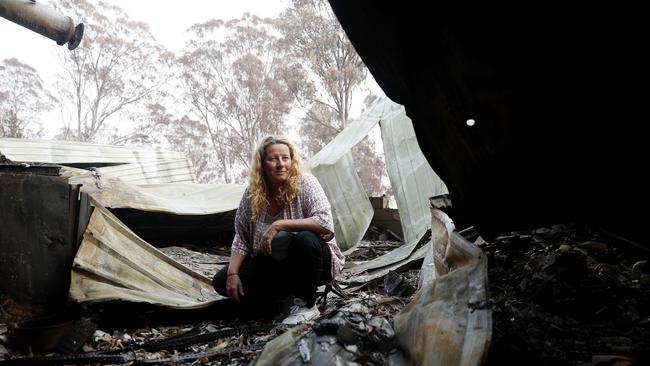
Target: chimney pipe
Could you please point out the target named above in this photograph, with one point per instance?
(43, 20)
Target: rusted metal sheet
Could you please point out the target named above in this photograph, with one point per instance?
(43, 20)
(42, 217)
(448, 321)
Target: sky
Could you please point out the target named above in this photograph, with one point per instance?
(168, 21)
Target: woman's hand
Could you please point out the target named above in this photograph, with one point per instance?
(234, 288)
(267, 238)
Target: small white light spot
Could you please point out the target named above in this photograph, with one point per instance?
(470, 122)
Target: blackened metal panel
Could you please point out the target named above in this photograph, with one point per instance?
(38, 224)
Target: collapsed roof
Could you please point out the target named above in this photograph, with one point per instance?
(556, 97)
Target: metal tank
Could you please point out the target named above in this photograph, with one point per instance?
(42, 220)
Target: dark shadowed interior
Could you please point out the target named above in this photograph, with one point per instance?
(558, 97)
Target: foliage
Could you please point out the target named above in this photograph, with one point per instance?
(231, 75)
(117, 68)
(330, 73)
(315, 39)
(23, 99)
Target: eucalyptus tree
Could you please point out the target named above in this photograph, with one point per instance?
(23, 100)
(118, 68)
(328, 76)
(233, 82)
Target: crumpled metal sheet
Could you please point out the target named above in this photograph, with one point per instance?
(391, 264)
(351, 207)
(413, 182)
(353, 133)
(114, 263)
(442, 324)
(412, 179)
(175, 198)
(410, 175)
(334, 168)
(395, 258)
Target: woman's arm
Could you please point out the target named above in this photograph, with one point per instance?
(242, 242)
(234, 288)
(239, 248)
(298, 225)
(315, 204)
(316, 211)
(289, 225)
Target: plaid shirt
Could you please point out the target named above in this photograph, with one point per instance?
(310, 202)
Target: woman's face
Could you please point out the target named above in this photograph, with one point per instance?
(277, 164)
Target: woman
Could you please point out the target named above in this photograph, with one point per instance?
(281, 204)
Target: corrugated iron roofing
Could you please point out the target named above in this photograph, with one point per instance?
(136, 165)
(61, 152)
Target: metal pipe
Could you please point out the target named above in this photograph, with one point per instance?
(43, 20)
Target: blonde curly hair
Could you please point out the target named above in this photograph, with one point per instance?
(258, 186)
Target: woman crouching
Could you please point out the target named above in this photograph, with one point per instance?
(284, 236)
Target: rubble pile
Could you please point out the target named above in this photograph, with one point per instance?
(358, 333)
(568, 295)
(206, 261)
(356, 328)
(563, 295)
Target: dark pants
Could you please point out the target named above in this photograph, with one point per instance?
(265, 280)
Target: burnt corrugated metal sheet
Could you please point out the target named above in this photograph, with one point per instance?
(114, 263)
(556, 100)
(132, 165)
(167, 213)
(449, 320)
(173, 198)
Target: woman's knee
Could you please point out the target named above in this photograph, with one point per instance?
(306, 241)
(309, 237)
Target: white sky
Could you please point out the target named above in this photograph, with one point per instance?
(168, 21)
